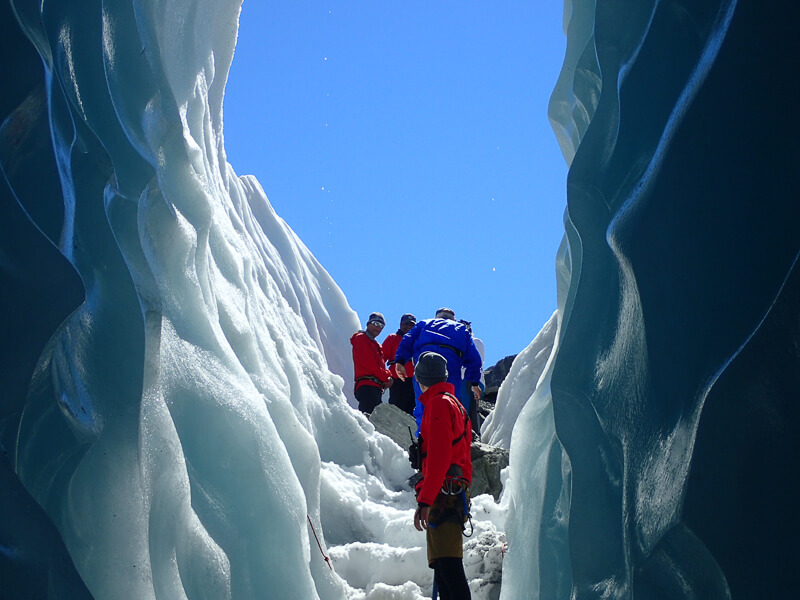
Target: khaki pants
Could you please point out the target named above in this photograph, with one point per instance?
(446, 524)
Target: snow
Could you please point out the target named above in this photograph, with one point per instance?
(375, 547)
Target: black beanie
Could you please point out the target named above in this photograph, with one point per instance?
(408, 318)
(376, 316)
(431, 368)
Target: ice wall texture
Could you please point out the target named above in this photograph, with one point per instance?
(523, 378)
(169, 346)
(666, 442)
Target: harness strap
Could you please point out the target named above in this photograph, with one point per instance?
(463, 414)
(369, 378)
(453, 515)
(458, 352)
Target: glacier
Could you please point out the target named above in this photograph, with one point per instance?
(176, 420)
(651, 460)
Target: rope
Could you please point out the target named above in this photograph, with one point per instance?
(327, 559)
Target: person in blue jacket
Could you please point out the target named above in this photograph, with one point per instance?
(453, 340)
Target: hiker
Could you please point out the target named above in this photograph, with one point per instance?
(443, 492)
(401, 393)
(466, 394)
(453, 340)
(369, 366)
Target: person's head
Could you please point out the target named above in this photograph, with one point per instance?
(431, 368)
(375, 324)
(446, 313)
(407, 322)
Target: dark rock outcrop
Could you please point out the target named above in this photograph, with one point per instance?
(393, 423)
(487, 463)
(494, 376)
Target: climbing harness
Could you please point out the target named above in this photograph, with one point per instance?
(456, 351)
(450, 514)
(327, 559)
(370, 378)
(453, 487)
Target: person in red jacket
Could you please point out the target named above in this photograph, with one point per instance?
(402, 392)
(443, 492)
(369, 366)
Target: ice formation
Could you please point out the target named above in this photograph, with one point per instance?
(650, 462)
(523, 378)
(175, 420)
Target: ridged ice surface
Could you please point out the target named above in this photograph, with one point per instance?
(658, 438)
(176, 369)
(177, 422)
(177, 416)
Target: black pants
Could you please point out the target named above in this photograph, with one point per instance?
(401, 394)
(368, 396)
(450, 579)
(474, 418)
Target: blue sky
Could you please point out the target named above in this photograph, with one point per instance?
(408, 145)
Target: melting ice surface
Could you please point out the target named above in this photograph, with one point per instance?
(176, 366)
(186, 424)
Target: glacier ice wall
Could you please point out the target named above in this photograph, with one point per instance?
(656, 457)
(169, 405)
(173, 356)
(523, 378)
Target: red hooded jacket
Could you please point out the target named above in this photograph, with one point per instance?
(368, 362)
(389, 348)
(443, 422)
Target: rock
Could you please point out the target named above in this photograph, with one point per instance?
(485, 406)
(487, 462)
(494, 376)
(393, 423)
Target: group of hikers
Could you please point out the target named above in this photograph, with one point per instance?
(390, 365)
(432, 369)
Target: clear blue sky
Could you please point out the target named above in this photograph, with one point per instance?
(408, 145)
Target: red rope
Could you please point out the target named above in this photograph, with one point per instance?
(327, 559)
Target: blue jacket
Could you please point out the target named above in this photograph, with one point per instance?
(450, 339)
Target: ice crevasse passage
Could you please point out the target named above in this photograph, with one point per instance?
(174, 358)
